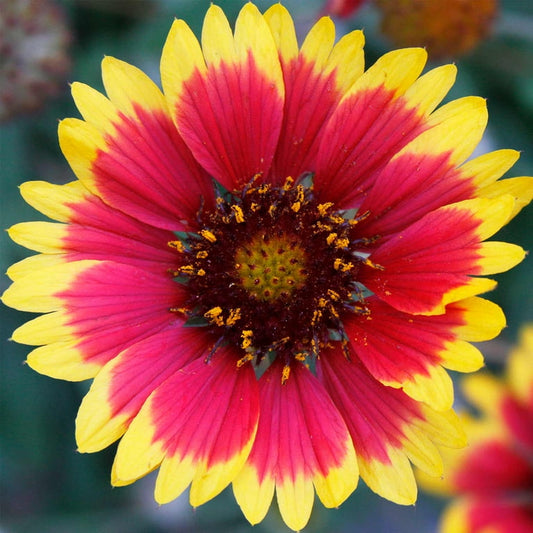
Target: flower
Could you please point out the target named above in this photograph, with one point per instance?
(493, 477)
(267, 266)
(34, 40)
(446, 27)
(342, 8)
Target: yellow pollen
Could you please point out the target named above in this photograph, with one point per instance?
(246, 336)
(182, 310)
(186, 269)
(342, 243)
(239, 215)
(272, 210)
(322, 302)
(288, 183)
(331, 238)
(369, 263)
(336, 219)
(317, 315)
(301, 356)
(339, 264)
(285, 374)
(321, 226)
(234, 316)
(244, 360)
(314, 345)
(354, 221)
(323, 208)
(177, 245)
(254, 207)
(214, 315)
(335, 296)
(202, 254)
(296, 206)
(333, 311)
(207, 235)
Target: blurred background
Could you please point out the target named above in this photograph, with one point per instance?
(46, 486)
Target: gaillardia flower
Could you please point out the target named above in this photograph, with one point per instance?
(493, 477)
(267, 267)
(448, 28)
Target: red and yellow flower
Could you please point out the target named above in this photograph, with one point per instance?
(493, 477)
(267, 266)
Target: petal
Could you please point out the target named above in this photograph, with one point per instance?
(131, 155)
(410, 186)
(427, 92)
(387, 427)
(44, 237)
(42, 291)
(428, 265)
(193, 437)
(315, 81)
(519, 421)
(454, 129)
(232, 142)
(424, 176)
(520, 188)
(402, 350)
(301, 441)
(96, 230)
(489, 167)
(520, 368)
(492, 514)
(123, 385)
(33, 263)
(281, 25)
(491, 466)
(92, 302)
(485, 392)
(53, 200)
(371, 123)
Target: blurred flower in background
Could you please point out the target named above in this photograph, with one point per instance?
(342, 8)
(492, 479)
(34, 51)
(447, 28)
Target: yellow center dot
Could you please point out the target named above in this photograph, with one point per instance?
(270, 268)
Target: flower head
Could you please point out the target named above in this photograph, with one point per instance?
(446, 27)
(342, 8)
(34, 39)
(493, 477)
(267, 266)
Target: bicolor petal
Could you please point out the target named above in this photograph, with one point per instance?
(299, 443)
(193, 439)
(411, 276)
(360, 136)
(232, 142)
(130, 149)
(403, 350)
(123, 385)
(387, 427)
(87, 303)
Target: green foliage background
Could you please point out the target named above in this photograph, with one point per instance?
(46, 486)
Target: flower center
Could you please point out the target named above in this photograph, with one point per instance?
(272, 271)
(271, 268)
